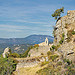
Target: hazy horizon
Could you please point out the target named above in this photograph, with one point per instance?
(24, 37)
(21, 18)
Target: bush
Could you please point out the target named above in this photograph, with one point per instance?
(62, 39)
(59, 63)
(45, 71)
(73, 32)
(26, 52)
(44, 63)
(7, 66)
(69, 35)
(15, 55)
(42, 54)
(54, 47)
(66, 25)
(29, 55)
(67, 60)
(53, 57)
(49, 53)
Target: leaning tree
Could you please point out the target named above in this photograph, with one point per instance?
(57, 13)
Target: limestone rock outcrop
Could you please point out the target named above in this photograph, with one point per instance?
(63, 25)
(64, 35)
(6, 52)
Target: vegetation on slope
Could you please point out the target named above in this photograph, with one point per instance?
(7, 66)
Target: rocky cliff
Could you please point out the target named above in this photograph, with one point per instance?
(58, 58)
(64, 33)
(63, 25)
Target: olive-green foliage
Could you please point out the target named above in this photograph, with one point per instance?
(7, 66)
(54, 28)
(15, 55)
(26, 52)
(29, 55)
(44, 63)
(70, 69)
(57, 13)
(68, 61)
(59, 63)
(49, 53)
(42, 54)
(73, 32)
(66, 25)
(53, 57)
(45, 71)
(70, 72)
(54, 47)
(62, 39)
(69, 35)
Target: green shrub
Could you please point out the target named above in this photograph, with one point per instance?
(42, 54)
(54, 47)
(70, 71)
(73, 32)
(69, 35)
(44, 63)
(59, 63)
(66, 25)
(68, 61)
(49, 53)
(7, 66)
(62, 39)
(45, 71)
(15, 55)
(53, 57)
(26, 52)
(29, 55)
(38, 59)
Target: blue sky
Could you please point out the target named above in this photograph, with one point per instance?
(21, 18)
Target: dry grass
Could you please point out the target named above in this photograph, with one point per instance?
(28, 71)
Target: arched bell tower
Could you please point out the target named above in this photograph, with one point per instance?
(46, 41)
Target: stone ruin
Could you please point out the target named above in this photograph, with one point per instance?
(44, 43)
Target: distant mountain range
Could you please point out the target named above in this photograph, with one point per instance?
(32, 39)
(20, 45)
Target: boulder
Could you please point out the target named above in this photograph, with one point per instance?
(6, 52)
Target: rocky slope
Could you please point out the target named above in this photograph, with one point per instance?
(60, 58)
(64, 33)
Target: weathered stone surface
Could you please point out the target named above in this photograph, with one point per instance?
(29, 62)
(37, 51)
(69, 19)
(6, 51)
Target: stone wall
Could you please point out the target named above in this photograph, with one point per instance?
(29, 62)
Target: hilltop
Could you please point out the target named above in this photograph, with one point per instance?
(32, 39)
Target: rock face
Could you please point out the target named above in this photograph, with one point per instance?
(6, 52)
(64, 27)
(62, 23)
(38, 51)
